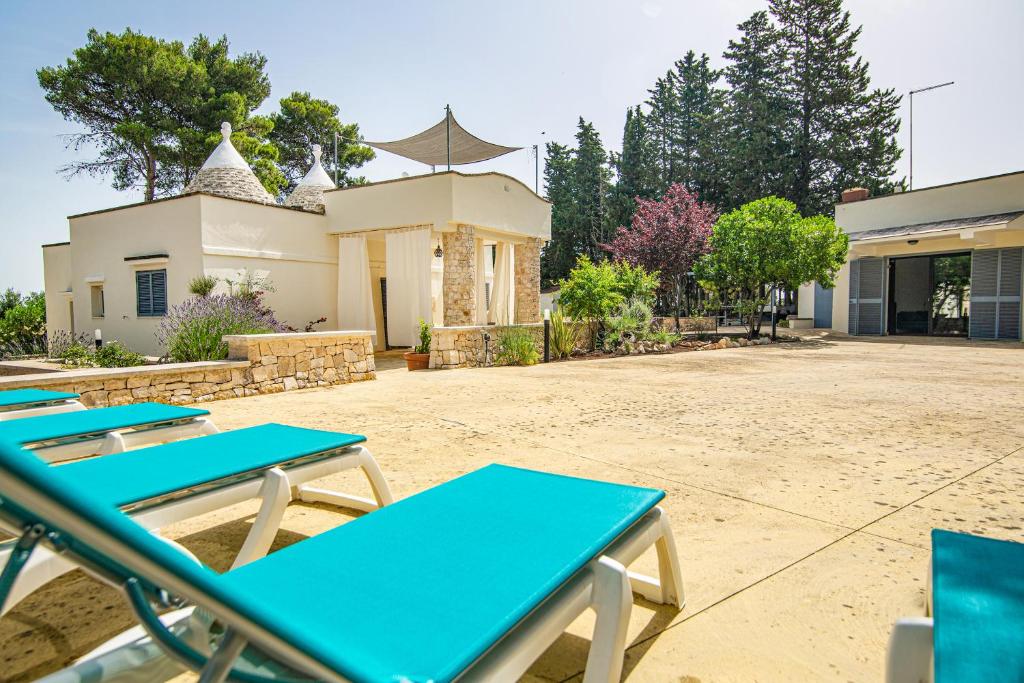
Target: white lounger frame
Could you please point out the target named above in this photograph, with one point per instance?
(909, 658)
(603, 585)
(277, 487)
(118, 441)
(64, 406)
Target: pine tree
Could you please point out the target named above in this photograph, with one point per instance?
(635, 168)
(842, 133)
(757, 151)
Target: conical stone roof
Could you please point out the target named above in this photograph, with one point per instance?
(225, 173)
(309, 193)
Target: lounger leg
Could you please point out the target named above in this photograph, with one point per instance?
(219, 665)
(668, 588)
(909, 659)
(113, 442)
(206, 427)
(276, 493)
(379, 485)
(612, 601)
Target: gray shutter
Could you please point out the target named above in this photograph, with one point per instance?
(869, 299)
(143, 294)
(995, 293)
(1008, 312)
(867, 282)
(851, 325)
(159, 285)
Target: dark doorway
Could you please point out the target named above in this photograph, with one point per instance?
(929, 295)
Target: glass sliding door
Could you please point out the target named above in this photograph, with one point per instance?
(950, 295)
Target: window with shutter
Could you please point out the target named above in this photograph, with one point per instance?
(151, 293)
(996, 293)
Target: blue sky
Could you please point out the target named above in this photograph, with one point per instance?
(516, 73)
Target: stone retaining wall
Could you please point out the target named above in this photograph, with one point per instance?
(281, 362)
(257, 364)
(463, 347)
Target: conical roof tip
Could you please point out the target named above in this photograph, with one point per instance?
(225, 155)
(317, 176)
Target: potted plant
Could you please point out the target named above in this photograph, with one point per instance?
(419, 357)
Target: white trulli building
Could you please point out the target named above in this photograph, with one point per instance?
(364, 257)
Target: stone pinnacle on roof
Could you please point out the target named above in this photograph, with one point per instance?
(309, 193)
(225, 173)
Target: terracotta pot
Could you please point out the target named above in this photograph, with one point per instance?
(416, 361)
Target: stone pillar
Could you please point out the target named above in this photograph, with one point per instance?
(527, 289)
(458, 285)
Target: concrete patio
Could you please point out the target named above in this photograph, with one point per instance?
(802, 481)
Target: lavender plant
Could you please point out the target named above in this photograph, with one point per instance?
(194, 330)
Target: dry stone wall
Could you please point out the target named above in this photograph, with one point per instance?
(257, 364)
(459, 279)
(465, 347)
(527, 279)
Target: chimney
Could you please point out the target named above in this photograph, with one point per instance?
(855, 194)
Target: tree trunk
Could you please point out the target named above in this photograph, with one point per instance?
(677, 304)
(150, 177)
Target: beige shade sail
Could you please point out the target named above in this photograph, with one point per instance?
(444, 144)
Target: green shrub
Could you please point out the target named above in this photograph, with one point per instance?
(590, 294)
(635, 283)
(564, 335)
(424, 345)
(663, 336)
(22, 324)
(114, 354)
(202, 285)
(516, 347)
(78, 355)
(632, 323)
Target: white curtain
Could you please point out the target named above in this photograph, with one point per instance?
(408, 276)
(482, 253)
(355, 298)
(502, 294)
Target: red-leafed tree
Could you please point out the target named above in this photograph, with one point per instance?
(667, 235)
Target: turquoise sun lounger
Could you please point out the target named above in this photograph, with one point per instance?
(976, 629)
(18, 403)
(105, 430)
(472, 579)
(164, 484)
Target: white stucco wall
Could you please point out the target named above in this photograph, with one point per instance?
(981, 197)
(291, 248)
(100, 242)
(442, 200)
(57, 281)
(805, 301)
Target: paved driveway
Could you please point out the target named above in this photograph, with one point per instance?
(802, 481)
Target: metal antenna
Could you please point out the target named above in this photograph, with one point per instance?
(912, 93)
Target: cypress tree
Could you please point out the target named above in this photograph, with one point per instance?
(560, 253)
(635, 168)
(757, 151)
(662, 122)
(591, 181)
(698, 127)
(842, 132)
